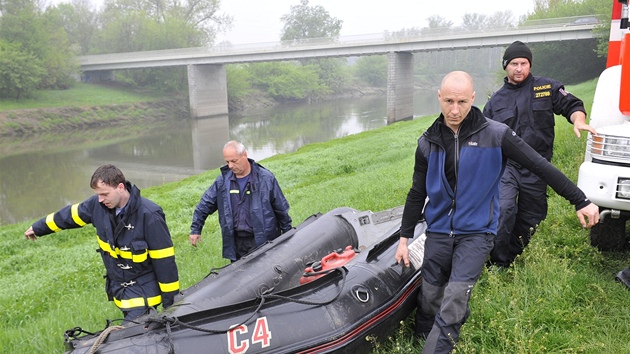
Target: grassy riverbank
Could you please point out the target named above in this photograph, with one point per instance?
(85, 105)
(559, 297)
(81, 95)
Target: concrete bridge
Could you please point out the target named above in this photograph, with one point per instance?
(207, 81)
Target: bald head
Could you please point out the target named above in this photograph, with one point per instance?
(456, 96)
(457, 79)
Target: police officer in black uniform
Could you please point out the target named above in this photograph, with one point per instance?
(527, 104)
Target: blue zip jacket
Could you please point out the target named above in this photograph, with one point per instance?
(269, 213)
(479, 154)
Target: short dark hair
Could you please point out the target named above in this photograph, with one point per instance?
(109, 175)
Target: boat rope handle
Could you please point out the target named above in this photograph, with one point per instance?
(74, 333)
(101, 337)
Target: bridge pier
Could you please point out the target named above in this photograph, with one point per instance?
(209, 134)
(207, 90)
(399, 86)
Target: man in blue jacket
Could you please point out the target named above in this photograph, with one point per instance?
(527, 104)
(459, 161)
(133, 239)
(252, 208)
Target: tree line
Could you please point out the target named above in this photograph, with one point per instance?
(39, 45)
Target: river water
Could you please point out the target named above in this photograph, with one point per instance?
(41, 174)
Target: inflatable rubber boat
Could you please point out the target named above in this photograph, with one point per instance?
(331, 285)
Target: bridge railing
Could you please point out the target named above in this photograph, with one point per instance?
(402, 36)
(407, 34)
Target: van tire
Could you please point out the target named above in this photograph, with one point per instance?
(610, 235)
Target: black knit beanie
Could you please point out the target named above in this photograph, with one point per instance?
(517, 49)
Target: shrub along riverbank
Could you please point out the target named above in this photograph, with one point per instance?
(559, 297)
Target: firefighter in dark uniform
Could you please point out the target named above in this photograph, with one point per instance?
(252, 208)
(527, 104)
(133, 239)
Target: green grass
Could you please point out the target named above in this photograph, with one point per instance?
(81, 94)
(559, 296)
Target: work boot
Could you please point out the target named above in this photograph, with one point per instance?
(624, 277)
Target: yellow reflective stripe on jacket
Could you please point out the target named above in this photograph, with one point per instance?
(138, 302)
(236, 191)
(50, 222)
(136, 258)
(168, 287)
(117, 253)
(163, 253)
(75, 215)
(105, 247)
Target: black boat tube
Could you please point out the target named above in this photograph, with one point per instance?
(274, 266)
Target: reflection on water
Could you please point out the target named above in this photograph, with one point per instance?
(285, 129)
(41, 174)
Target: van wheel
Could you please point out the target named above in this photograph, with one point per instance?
(610, 235)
